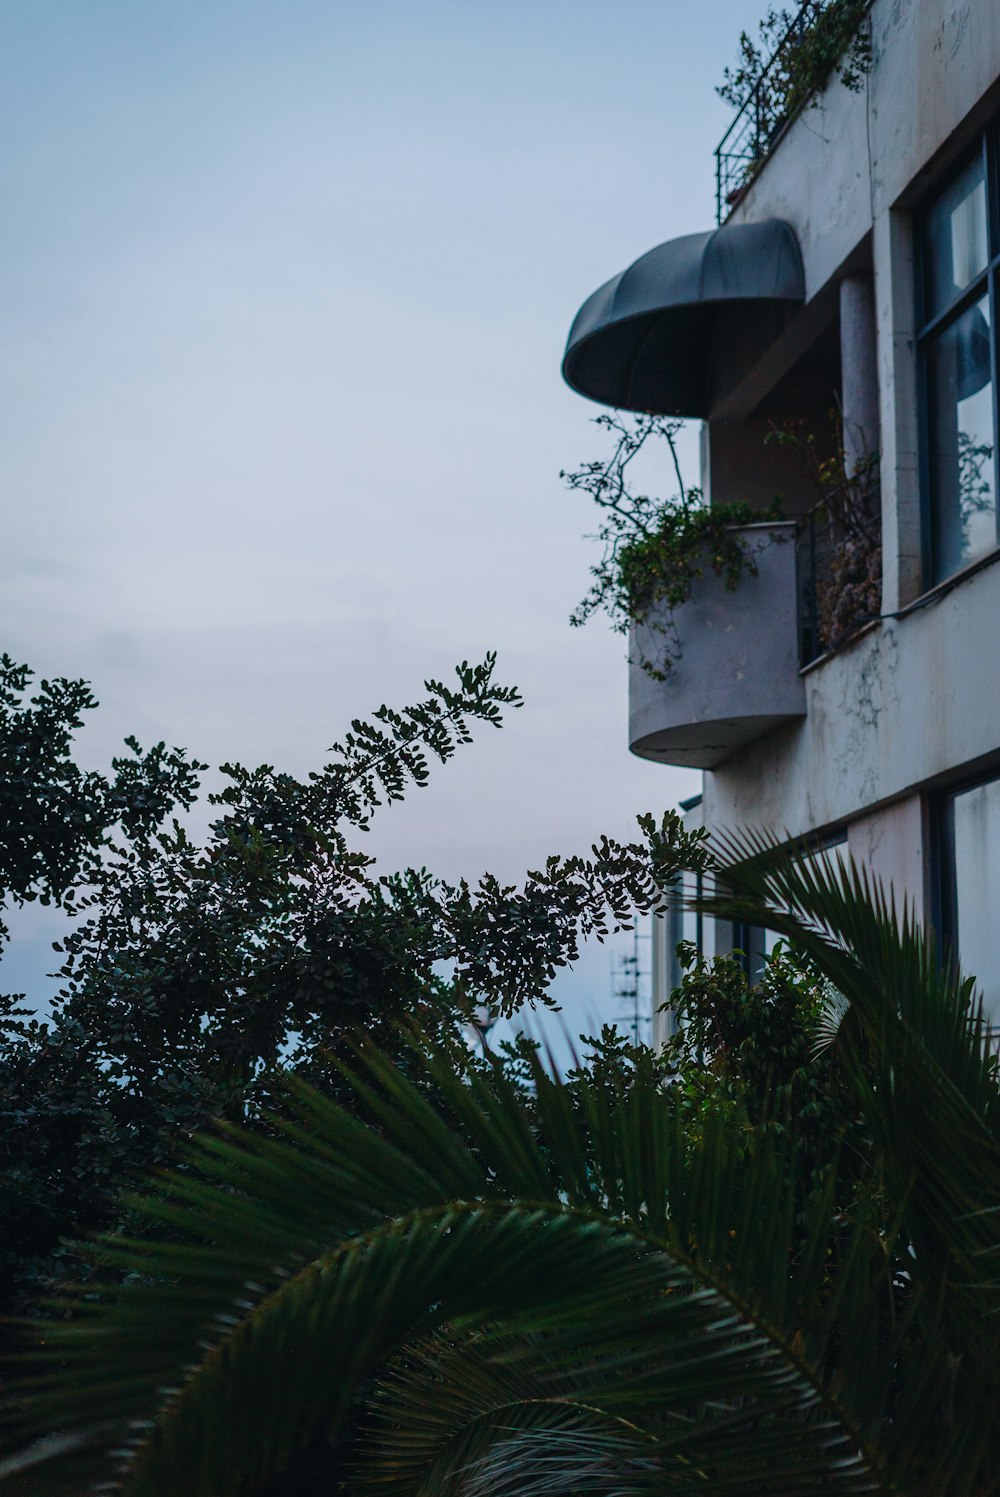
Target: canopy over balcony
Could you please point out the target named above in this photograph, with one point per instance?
(643, 341)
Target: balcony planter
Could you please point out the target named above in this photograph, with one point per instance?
(737, 675)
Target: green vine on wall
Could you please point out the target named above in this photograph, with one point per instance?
(654, 550)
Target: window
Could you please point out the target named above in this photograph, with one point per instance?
(960, 246)
(969, 882)
(756, 942)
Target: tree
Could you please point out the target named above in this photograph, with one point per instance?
(55, 817)
(195, 972)
(454, 1287)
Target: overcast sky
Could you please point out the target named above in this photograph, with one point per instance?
(286, 290)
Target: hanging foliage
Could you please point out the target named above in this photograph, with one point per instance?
(654, 550)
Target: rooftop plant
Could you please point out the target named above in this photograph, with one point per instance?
(776, 74)
(797, 53)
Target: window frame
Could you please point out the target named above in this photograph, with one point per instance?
(929, 328)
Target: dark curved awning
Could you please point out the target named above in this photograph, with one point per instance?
(643, 341)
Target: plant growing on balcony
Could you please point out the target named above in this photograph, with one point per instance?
(791, 62)
(655, 549)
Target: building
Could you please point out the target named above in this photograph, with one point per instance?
(856, 267)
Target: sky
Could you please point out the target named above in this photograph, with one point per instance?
(285, 289)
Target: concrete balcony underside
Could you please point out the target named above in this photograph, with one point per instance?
(737, 675)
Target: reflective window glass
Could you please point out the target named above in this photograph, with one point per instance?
(957, 238)
(962, 441)
(976, 842)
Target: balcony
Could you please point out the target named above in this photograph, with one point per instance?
(737, 675)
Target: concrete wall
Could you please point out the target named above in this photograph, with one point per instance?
(910, 700)
(892, 844)
(660, 978)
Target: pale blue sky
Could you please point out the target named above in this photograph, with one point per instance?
(285, 292)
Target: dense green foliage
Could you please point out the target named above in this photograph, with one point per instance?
(195, 971)
(655, 549)
(457, 1286)
(55, 817)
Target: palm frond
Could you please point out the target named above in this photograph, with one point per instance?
(914, 1047)
(665, 1281)
(571, 1455)
(919, 1054)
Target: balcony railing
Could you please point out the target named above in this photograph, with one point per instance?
(839, 572)
(768, 108)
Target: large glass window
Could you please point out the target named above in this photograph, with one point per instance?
(961, 254)
(970, 884)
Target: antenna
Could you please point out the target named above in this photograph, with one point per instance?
(630, 985)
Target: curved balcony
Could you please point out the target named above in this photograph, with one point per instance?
(737, 677)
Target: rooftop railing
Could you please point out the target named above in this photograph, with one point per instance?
(767, 109)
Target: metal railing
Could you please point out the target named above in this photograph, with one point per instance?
(813, 545)
(838, 572)
(763, 115)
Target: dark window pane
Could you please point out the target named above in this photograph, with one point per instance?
(976, 881)
(956, 238)
(962, 440)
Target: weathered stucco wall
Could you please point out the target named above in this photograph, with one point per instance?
(892, 844)
(910, 700)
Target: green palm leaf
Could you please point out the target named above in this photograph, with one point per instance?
(913, 1045)
(665, 1282)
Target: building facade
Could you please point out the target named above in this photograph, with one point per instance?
(856, 270)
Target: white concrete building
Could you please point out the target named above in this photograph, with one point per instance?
(858, 266)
